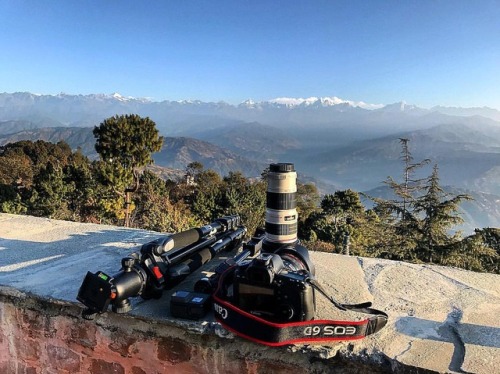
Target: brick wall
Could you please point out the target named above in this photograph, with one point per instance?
(42, 336)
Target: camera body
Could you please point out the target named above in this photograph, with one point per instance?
(267, 288)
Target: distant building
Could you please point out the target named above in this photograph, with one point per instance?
(189, 180)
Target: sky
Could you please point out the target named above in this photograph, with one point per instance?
(439, 52)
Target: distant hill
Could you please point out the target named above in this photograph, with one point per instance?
(177, 153)
(252, 140)
(76, 137)
(180, 117)
(467, 157)
(14, 126)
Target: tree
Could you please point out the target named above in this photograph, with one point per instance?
(373, 233)
(307, 200)
(16, 170)
(402, 244)
(335, 222)
(126, 143)
(193, 169)
(49, 195)
(84, 191)
(16, 177)
(440, 213)
(154, 209)
(248, 199)
(31, 177)
(207, 197)
(480, 251)
(407, 189)
(341, 206)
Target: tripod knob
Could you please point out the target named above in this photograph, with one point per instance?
(123, 306)
(128, 263)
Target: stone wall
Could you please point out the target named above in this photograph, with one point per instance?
(49, 336)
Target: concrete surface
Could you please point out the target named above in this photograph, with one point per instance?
(441, 319)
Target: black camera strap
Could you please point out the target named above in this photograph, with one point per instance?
(259, 330)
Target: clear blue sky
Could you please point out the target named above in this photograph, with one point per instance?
(424, 52)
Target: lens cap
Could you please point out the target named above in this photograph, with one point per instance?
(283, 167)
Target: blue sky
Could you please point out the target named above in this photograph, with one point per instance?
(424, 52)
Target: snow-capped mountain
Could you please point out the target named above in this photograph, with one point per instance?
(8, 101)
(322, 102)
(311, 102)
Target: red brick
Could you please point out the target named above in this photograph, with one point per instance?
(37, 324)
(6, 367)
(31, 370)
(23, 368)
(27, 349)
(101, 366)
(122, 344)
(83, 333)
(138, 370)
(173, 351)
(63, 359)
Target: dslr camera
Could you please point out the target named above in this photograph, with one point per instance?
(275, 285)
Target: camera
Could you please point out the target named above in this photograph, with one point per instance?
(275, 284)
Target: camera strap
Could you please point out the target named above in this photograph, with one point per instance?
(261, 331)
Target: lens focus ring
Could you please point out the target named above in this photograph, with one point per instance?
(279, 201)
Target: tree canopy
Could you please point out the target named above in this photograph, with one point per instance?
(125, 143)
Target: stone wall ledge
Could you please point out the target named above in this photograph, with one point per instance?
(48, 336)
(441, 319)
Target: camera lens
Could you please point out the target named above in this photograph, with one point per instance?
(281, 212)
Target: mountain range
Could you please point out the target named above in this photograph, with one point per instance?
(340, 143)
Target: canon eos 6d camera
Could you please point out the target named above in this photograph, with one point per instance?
(275, 285)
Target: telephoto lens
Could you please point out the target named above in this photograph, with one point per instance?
(281, 212)
(281, 219)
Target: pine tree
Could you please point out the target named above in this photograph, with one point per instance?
(408, 188)
(440, 213)
(402, 243)
(125, 144)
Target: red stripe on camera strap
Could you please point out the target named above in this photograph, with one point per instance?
(261, 331)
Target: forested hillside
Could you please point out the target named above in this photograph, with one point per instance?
(50, 180)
